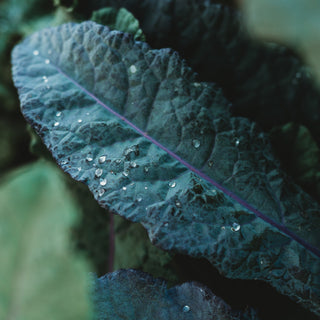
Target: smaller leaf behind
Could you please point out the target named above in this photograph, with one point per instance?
(121, 20)
(132, 294)
(40, 275)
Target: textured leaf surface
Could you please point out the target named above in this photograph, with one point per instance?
(40, 276)
(130, 294)
(156, 147)
(266, 83)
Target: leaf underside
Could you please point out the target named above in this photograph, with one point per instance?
(132, 294)
(161, 149)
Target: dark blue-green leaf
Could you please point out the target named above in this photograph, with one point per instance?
(161, 149)
(132, 294)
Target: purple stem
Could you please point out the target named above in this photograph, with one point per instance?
(111, 243)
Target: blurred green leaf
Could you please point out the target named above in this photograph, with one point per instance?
(293, 22)
(41, 278)
(121, 20)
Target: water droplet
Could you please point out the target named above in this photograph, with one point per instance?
(237, 142)
(178, 203)
(172, 184)
(98, 172)
(87, 113)
(89, 157)
(133, 164)
(58, 114)
(79, 120)
(210, 163)
(79, 169)
(35, 52)
(166, 224)
(103, 182)
(223, 228)
(45, 79)
(124, 188)
(261, 261)
(186, 308)
(235, 227)
(63, 162)
(196, 143)
(139, 198)
(47, 61)
(146, 188)
(118, 161)
(125, 173)
(102, 159)
(146, 169)
(101, 192)
(56, 124)
(197, 84)
(133, 69)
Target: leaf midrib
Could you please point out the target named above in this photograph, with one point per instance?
(280, 227)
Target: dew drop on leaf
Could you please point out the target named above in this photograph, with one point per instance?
(102, 159)
(58, 114)
(125, 173)
(47, 61)
(146, 169)
(172, 184)
(196, 143)
(235, 227)
(124, 188)
(35, 52)
(178, 203)
(98, 172)
(79, 120)
(186, 308)
(56, 124)
(101, 192)
(89, 157)
(237, 142)
(133, 69)
(133, 164)
(103, 182)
